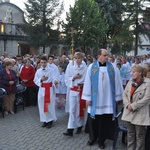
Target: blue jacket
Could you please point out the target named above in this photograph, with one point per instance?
(4, 80)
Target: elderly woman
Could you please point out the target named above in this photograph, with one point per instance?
(14, 67)
(136, 99)
(8, 80)
(27, 75)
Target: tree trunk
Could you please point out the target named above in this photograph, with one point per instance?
(136, 29)
(136, 37)
(44, 48)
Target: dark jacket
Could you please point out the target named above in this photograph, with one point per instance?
(4, 80)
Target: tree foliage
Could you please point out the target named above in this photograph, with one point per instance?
(117, 31)
(112, 9)
(87, 20)
(126, 19)
(40, 17)
(136, 15)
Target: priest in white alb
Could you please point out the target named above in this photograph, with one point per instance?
(102, 88)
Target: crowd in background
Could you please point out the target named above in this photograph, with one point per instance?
(26, 66)
(22, 69)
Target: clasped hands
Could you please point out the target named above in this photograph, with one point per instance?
(88, 103)
(129, 107)
(45, 78)
(25, 81)
(77, 76)
(11, 82)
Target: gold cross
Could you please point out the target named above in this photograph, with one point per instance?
(72, 32)
(94, 70)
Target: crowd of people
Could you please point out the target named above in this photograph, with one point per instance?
(90, 89)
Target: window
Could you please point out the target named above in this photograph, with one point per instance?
(2, 28)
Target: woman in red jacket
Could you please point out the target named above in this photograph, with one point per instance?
(27, 75)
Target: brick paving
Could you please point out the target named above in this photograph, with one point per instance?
(23, 131)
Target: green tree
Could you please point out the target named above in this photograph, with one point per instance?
(86, 19)
(40, 17)
(118, 36)
(136, 15)
(113, 10)
(126, 23)
(122, 42)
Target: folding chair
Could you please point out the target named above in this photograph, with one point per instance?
(119, 128)
(2, 94)
(19, 99)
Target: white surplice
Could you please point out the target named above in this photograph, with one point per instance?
(56, 70)
(62, 88)
(128, 70)
(104, 97)
(47, 72)
(71, 63)
(74, 96)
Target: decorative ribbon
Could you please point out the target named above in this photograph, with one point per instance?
(47, 95)
(94, 87)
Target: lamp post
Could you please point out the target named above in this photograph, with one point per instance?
(2, 31)
(18, 47)
(72, 32)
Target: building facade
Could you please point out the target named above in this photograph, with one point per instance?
(144, 47)
(13, 39)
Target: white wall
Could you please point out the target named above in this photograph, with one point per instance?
(11, 47)
(1, 47)
(145, 45)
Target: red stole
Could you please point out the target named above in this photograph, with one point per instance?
(82, 102)
(10, 77)
(47, 95)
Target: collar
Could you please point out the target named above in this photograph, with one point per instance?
(102, 65)
(79, 67)
(62, 73)
(43, 69)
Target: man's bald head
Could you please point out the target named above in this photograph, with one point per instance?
(102, 50)
(103, 55)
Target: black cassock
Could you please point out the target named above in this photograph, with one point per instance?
(101, 127)
(147, 139)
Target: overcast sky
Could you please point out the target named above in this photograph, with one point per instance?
(67, 3)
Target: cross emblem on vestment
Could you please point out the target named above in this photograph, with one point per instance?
(111, 69)
(94, 70)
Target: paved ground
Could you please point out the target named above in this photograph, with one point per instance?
(23, 131)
